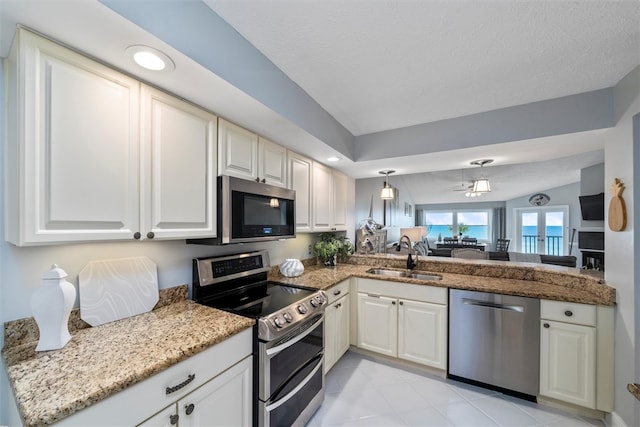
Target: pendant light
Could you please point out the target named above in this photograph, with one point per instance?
(482, 185)
(387, 190)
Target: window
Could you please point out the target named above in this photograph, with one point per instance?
(469, 223)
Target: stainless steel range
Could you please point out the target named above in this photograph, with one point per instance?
(289, 337)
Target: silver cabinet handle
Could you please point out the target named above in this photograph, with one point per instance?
(487, 304)
(568, 313)
(183, 384)
(546, 325)
(173, 419)
(337, 292)
(373, 295)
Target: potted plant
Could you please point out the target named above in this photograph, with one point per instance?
(331, 247)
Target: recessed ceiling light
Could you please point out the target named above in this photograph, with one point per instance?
(150, 58)
(333, 159)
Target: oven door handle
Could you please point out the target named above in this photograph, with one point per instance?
(293, 392)
(279, 348)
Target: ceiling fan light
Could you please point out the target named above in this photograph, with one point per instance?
(386, 193)
(481, 186)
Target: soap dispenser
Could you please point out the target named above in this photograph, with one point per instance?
(51, 305)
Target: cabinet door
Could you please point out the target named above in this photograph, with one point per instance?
(78, 148)
(300, 169)
(163, 418)
(330, 337)
(179, 150)
(322, 198)
(422, 333)
(237, 151)
(377, 324)
(567, 362)
(343, 322)
(336, 331)
(223, 401)
(272, 163)
(339, 200)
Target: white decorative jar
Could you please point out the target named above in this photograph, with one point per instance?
(291, 267)
(51, 305)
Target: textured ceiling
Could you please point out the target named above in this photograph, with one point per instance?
(378, 65)
(382, 64)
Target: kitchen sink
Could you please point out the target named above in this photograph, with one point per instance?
(406, 274)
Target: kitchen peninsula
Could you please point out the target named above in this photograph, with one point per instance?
(512, 278)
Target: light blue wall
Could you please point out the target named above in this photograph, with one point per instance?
(622, 262)
(576, 113)
(4, 387)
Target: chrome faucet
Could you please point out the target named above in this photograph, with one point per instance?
(410, 263)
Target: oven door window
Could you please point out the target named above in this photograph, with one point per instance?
(288, 412)
(256, 215)
(289, 366)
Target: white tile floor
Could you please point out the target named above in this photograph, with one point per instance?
(364, 392)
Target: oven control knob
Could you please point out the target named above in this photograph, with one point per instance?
(302, 309)
(314, 302)
(279, 321)
(288, 317)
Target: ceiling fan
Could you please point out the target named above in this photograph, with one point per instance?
(463, 187)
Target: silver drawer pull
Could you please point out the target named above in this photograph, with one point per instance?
(336, 292)
(183, 384)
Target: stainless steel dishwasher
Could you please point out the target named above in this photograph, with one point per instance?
(495, 340)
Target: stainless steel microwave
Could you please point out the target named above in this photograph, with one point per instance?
(250, 211)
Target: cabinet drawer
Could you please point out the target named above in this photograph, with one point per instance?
(568, 312)
(338, 291)
(423, 293)
(135, 403)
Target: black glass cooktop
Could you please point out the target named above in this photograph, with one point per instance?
(258, 300)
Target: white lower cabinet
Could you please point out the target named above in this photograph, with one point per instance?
(378, 324)
(337, 324)
(567, 362)
(216, 381)
(420, 327)
(404, 321)
(223, 401)
(576, 354)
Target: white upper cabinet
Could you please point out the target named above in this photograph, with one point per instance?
(272, 163)
(93, 157)
(299, 179)
(237, 151)
(322, 195)
(244, 154)
(340, 202)
(179, 153)
(330, 204)
(73, 147)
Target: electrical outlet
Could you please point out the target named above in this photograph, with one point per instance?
(309, 250)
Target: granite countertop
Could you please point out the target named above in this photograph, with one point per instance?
(100, 361)
(504, 277)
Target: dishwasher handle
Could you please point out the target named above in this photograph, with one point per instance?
(488, 304)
